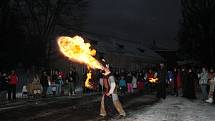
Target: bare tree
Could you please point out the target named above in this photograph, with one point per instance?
(196, 36)
(42, 19)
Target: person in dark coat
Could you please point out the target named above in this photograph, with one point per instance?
(3, 82)
(161, 87)
(184, 77)
(71, 77)
(175, 81)
(44, 83)
(189, 89)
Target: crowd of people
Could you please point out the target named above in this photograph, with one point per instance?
(181, 81)
(185, 81)
(40, 85)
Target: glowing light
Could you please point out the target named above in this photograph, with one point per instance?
(87, 82)
(78, 51)
(153, 80)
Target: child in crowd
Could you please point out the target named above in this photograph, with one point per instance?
(122, 85)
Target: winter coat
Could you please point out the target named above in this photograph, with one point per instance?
(162, 75)
(203, 78)
(44, 81)
(71, 77)
(13, 79)
(178, 80)
(3, 83)
(122, 83)
(129, 79)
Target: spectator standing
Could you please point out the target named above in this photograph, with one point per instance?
(3, 85)
(44, 83)
(162, 75)
(190, 85)
(71, 81)
(3, 82)
(134, 82)
(12, 81)
(61, 83)
(129, 83)
(177, 82)
(184, 80)
(122, 86)
(212, 85)
(203, 82)
(140, 82)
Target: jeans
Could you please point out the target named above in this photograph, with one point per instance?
(12, 89)
(57, 89)
(71, 87)
(44, 91)
(49, 90)
(204, 91)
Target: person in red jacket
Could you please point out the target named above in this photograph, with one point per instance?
(12, 81)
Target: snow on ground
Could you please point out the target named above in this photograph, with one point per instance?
(174, 109)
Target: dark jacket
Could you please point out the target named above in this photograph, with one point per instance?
(162, 75)
(44, 81)
(71, 77)
(3, 83)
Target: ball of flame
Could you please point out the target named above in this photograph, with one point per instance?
(76, 50)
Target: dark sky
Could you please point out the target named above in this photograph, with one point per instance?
(137, 20)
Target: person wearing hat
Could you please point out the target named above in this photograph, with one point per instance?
(110, 102)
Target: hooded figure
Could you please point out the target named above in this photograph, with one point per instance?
(110, 102)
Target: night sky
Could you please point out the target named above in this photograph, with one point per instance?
(137, 20)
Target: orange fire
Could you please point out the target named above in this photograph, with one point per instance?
(76, 50)
(153, 80)
(89, 76)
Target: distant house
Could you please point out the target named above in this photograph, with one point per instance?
(122, 54)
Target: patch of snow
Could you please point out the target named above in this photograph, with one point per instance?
(174, 109)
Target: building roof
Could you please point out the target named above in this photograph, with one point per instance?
(126, 48)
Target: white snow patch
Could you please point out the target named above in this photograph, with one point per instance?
(174, 109)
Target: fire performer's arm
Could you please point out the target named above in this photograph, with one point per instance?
(112, 85)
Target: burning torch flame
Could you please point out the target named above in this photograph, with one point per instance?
(89, 76)
(76, 50)
(153, 80)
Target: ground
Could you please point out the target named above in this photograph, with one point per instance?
(138, 108)
(68, 108)
(175, 109)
